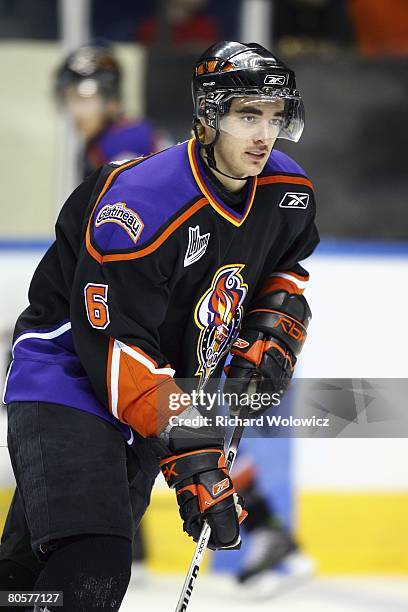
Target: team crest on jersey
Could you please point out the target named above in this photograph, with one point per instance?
(219, 314)
(122, 215)
(197, 245)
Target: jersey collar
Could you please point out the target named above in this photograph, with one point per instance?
(221, 207)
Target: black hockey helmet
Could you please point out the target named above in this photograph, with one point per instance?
(231, 69)
(92, 68)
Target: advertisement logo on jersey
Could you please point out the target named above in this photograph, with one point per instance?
(120, 214)
(197, 245)
(275, 79)
(219, 314)
(294, 200)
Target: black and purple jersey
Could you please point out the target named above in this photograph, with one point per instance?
(123, 139)
(149, 279)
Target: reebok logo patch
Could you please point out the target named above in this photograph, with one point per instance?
(294, 200)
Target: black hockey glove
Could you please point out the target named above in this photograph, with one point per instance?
(264, 355)
(204, 487)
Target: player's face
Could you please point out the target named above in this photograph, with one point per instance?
(247, 135)
(89, 113)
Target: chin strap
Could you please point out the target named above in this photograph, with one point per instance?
(210, 156)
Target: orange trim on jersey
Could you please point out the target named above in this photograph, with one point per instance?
(281, 178)
(277, 283)
(203, 188)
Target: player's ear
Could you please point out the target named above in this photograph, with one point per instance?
(205, 133)
(200, 125)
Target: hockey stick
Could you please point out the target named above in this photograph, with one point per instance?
(205, 534)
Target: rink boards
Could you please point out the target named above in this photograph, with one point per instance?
(346, 498)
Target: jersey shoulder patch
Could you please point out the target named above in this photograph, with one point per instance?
(141, 199)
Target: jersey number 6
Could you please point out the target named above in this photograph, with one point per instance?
(97, 308)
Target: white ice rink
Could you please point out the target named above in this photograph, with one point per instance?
(220, 594)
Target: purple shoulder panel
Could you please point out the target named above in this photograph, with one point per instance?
(142, 199)
(280, 162)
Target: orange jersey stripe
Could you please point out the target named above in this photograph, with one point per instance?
(280, 178)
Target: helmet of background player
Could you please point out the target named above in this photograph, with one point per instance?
(88, 87)
(251, 75)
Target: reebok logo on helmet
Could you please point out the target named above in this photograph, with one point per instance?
(275, 79)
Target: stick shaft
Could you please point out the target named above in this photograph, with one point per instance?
(205, 534)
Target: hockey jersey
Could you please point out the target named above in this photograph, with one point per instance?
(148, 282)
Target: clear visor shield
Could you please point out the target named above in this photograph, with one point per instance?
(263, 117)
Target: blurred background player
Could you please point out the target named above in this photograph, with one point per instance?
(89, 90)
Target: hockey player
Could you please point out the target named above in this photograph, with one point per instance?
(157, 266)
(89, 89)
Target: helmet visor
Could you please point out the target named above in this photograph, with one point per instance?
(263, 117)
